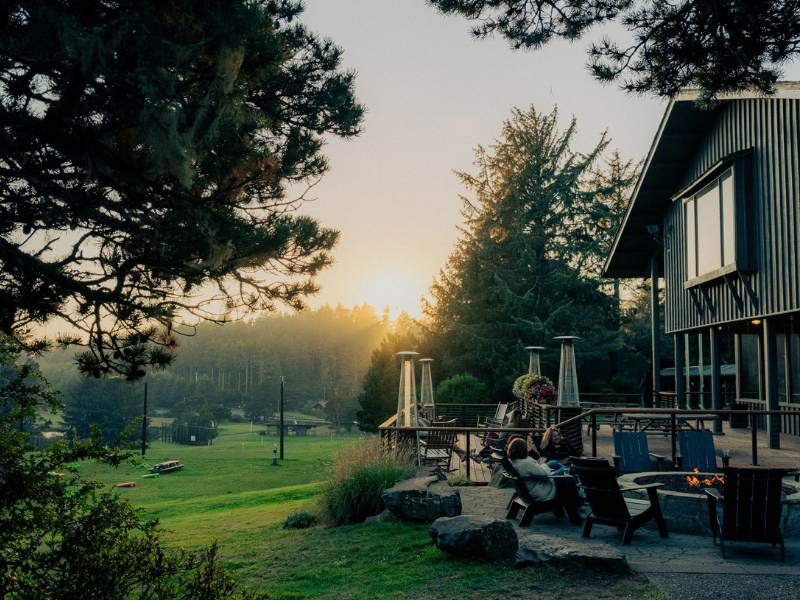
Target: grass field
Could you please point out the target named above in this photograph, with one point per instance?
(229, 492)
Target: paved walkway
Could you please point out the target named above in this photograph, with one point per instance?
(683, 566)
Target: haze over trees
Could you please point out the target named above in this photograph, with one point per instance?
(323, 355)
(714, 45)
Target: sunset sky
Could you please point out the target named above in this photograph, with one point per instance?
(432, 94)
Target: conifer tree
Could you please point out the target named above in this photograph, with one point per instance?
(145, 156)
(524, 268)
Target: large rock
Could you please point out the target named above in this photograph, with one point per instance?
(558, 552)
(471, 536)
(423, 499)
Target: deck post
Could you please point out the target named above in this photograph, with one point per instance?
(594, 435)
(771, 382)
(716, 379)
(737, 358)
(673, 422)
(680, 383)
(655, 326)
(468, 454)
(754, 438)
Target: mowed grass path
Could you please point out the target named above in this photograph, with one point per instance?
(229, 492)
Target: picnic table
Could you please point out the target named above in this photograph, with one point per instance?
(660, 424)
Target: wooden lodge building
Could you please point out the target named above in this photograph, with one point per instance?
(716, 214)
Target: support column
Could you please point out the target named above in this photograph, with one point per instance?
(716, 378)
(680, 382)
(701, 379)
(770, 354)
(655, 325)
(690, 403)
(737, 358)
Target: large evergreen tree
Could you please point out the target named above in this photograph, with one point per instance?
(716, 45)
(525, 269)
(145, 154)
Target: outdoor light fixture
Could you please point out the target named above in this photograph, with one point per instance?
(756, 321)
(275, 455)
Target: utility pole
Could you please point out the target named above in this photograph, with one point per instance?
(144, 421)
(281, 417)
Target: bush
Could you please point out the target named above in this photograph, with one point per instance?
(61, 535)
(463, 388)
(300, 520)
(360, 474)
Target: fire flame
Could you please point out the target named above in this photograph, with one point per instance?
(695, 481)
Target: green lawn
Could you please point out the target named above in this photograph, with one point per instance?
(229, 492)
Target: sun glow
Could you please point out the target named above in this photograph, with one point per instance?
(399, 290)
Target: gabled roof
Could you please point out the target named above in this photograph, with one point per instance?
(682, 129)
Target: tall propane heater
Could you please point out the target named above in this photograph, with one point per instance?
(407, 392)
(568, 401)
(426, 389)
(534, 366)
(567, 372)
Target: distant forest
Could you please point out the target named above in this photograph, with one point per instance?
(323, 355)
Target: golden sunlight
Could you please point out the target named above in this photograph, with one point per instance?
(395, 288)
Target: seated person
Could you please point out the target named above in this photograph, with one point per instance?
(496, 442)
(540, 483)
(555, 450)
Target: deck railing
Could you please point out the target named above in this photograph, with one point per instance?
(397, 437)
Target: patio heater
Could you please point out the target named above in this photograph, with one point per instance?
(567, 373)
(407, 393)
(568, 402)
(426, 389)
(534, 366)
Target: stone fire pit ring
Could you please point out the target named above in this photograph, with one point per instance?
(688, 512)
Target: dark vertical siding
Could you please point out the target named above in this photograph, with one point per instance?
(769, 127)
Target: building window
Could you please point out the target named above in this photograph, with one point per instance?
(711, 227)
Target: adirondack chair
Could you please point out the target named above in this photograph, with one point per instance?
(751, 507)
(530, 507)
(697, 451)
(437, 447)
(609, 506)
(497, 419)
(632, 453)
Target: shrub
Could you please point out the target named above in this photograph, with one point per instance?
(300, 520)
(463, 388)
(61, 535)
(359, 476)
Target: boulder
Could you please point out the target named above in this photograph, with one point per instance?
(422, 499)
(557, 552)
(470, 536)
(381, 517)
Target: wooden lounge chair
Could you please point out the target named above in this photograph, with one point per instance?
(497, 419)
(609, 507)
(437, 447)
(697, 451)
(751, 507)
(530, 507)
(632, 453)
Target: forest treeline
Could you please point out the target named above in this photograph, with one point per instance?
(323, 355)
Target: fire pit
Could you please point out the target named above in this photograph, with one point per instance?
(685, 506)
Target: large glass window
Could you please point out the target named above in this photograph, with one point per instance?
(711, 227)
(750, 366)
